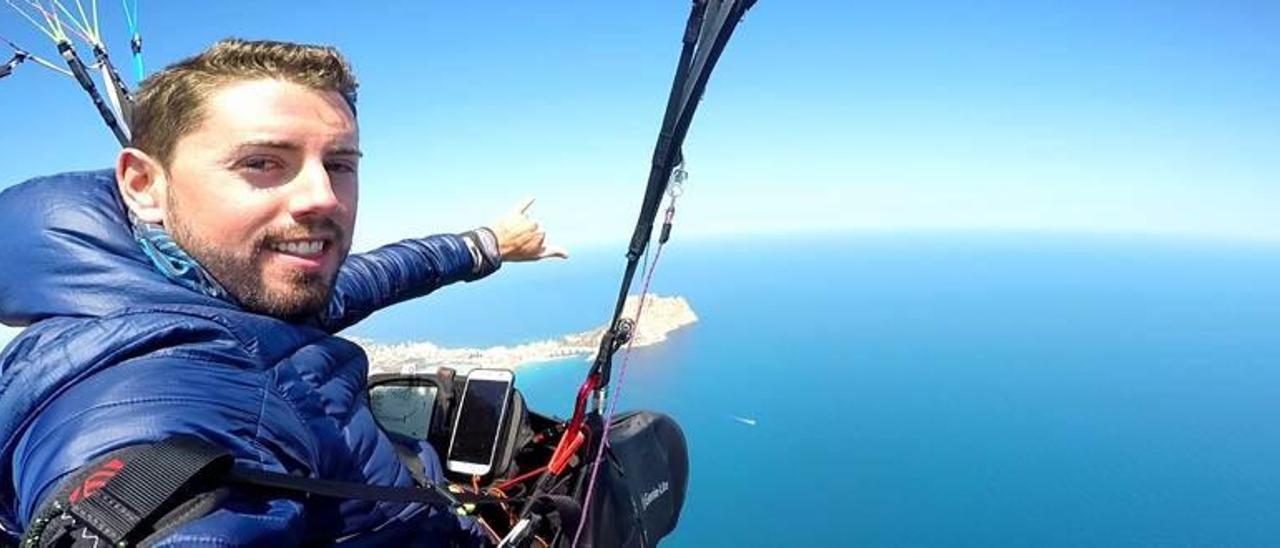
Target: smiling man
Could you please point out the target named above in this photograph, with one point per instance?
(195, 290)
(263, 194)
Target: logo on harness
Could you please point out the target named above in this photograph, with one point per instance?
(96, 480)
(653, 495)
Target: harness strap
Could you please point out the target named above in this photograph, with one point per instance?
(135, 494)
(128, 498)
(429, 494)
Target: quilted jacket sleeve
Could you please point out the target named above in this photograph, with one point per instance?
(394, 273)
(148, 400)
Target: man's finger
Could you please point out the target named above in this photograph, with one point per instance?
(554, 251)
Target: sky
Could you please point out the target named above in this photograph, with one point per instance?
(1090, 116)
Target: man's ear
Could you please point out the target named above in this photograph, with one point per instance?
(142, 184)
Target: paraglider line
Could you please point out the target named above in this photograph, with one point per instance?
(79, 28)
(97, 31)
(51, 19)
(129, 17)
(11, 44)
(622, 378)
(81, 75)
(75, 27)
(36, 58)
(84, 20)
(51, 66)
(28, 17)
(135, 43)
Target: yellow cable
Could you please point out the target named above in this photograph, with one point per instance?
(84, 23)
(59, 35)
(83, 31)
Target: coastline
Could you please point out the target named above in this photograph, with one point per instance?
(662, 316)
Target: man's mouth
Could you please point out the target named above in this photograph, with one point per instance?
(301, 248)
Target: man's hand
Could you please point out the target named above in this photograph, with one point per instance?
(522, 239)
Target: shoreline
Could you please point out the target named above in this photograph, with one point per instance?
(662, 316)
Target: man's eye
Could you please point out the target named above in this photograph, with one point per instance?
(259, 164)
(340, 167)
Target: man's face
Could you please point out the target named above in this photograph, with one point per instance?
(263, 194)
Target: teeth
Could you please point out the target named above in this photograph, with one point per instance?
(305, 248)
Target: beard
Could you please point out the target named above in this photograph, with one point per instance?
(303, 294)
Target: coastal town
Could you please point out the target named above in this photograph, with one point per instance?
(661, 317)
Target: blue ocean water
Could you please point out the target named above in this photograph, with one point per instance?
(935, 389)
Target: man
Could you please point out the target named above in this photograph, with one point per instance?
(195, 291)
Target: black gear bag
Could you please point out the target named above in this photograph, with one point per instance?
(641, 485)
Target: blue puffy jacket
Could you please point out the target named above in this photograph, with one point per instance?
(118, 355)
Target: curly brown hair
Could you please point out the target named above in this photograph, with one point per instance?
(170, 103)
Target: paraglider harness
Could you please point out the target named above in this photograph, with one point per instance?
(596, 479)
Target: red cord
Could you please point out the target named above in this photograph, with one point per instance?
(522, 477)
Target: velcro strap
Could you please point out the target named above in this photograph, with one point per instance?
(137, 493)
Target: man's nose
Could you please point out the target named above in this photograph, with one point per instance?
(313, 194)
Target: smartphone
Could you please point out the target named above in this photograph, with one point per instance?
(474, 440)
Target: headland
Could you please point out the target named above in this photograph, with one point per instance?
(662, 316)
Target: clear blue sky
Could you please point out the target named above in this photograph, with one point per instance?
(1137, 116)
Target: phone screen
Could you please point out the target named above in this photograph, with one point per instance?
(476, 432)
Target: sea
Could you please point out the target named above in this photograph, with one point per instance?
(932, 389)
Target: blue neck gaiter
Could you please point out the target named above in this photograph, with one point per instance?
(173, 262)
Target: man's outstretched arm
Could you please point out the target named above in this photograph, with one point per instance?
(404, 270)
(412, 268)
